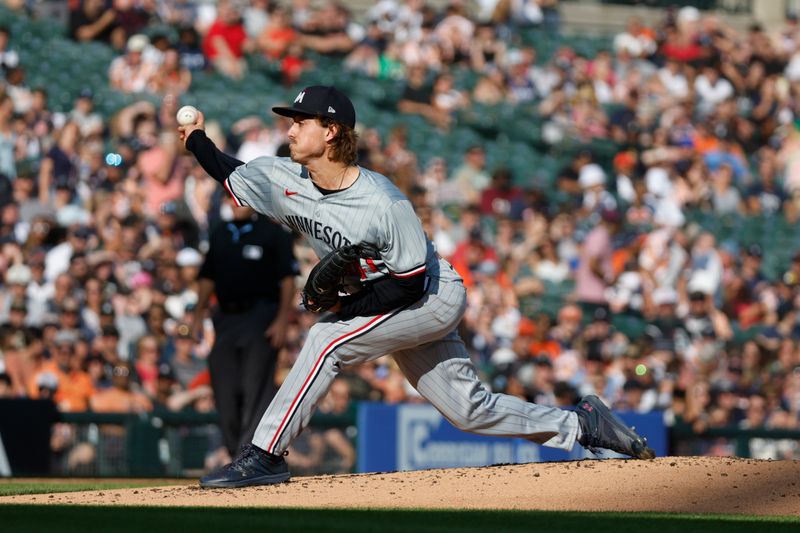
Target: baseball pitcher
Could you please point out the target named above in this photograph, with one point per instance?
(379, 288)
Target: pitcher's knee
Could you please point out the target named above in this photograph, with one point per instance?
(470, 413)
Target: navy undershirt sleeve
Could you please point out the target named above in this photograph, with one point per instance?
(218, 164)
(384, 295)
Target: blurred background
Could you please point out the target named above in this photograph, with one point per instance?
(618, 182)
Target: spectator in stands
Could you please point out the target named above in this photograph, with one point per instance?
(567, 179)
(293, 64)
(596, 197)
(160, 177)
(147, 363)
(711, 89)
(9, 57)
(8, 167)
(705, 267)
(184, 286)
(20, 345)
(171, 77)
(185, 363)
(471, 176)
(69, 317)
(765, 196)
(17, 278)
(120, 397)
(680, 44)
(490, 89)
(637, 39)
(18, 90)
(92, 305)
(666, 331)
(595, 272)
(417, 98)
(550, 267)
(107, 344)
(499, 196)
(568, 326)
(366, 55)
(586, 115)
(133, 17)
(662, 256)
(89, 121)
(166, 387)
(97, 370)
(273, 41)
(455, 32)
(725, 198)
(424, 51)
(521, 87)
(704, 319)
(226, 42)
(130, 73)
(330, 31)
(94, 20)
(445, 98)
(486, 51)
(58, 259)
(74, 386)
(189, 48)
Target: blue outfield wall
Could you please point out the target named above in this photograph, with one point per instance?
(416, 437)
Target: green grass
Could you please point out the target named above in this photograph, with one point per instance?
(90, 518)
(43, 486)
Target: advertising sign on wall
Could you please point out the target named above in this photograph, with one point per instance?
(416, 437)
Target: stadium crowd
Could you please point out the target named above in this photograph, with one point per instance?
(603, 283)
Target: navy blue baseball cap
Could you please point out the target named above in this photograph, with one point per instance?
(321, 101)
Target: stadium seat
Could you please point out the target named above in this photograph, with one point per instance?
(631, 326)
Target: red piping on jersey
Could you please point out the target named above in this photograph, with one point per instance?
(371, 265)
(408, 274)
(230, 191)
(328, 349)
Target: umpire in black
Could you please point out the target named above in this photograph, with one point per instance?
(250, 266)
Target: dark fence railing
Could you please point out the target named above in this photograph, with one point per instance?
(171, 444)
(727, 6)
(685, 440)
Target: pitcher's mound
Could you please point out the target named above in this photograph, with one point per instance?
(667, 484)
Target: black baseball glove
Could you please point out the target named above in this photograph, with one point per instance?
(321, 291)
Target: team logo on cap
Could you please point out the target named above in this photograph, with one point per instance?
(331, 110)
(299, 99)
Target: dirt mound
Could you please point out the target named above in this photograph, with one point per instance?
(668, 484)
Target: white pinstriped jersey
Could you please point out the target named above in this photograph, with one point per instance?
(372, 210)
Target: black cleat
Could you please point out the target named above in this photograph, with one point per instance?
(253, 466)
(600, 428)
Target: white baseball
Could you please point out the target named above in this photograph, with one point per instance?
(187, 115)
